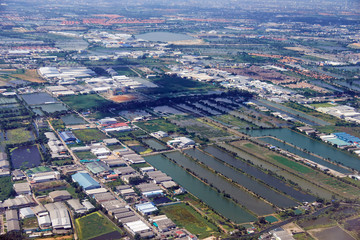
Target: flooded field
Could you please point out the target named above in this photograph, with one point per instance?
(38, 98)
(240, 178)
(72, 120)
(217, 201)
(51, 108)
(255, 172)
(156, 145)
(331, 233)
(242, 196)
(25, 156)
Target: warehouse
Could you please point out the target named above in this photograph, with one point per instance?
(76, 205)
(59, 195)
(124, 170)
(59, 215)
(22, 188)
(26, 213)
(103, 197)
(67, 136)
(85, 181)
(163, 223)
(138, 227)
(19, 202)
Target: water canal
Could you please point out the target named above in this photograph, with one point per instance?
(311, 145)
(211, 197)
(257, 173)
(242, 179)
(241, 195)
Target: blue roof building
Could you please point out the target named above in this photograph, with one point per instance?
(85, 181)
(67, 136)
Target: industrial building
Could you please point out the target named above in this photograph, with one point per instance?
(146, 208)
(139, 227)
(97, 167)
(77, 206)
(60, 195)
(181, 142)
(85, 181)
(19, 202)
(59, 215)
(67, 136)
(22, 188)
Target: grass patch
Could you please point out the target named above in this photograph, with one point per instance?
(29, 223)
(157, 125)
(85, 155)
(6, 189)
(93, 225)
(89, 135)
(18, 135)
(140, 165)
(302, 236)
(84, 102)
(185, 216)
(291, 164)
(318, 105)
(114, 183)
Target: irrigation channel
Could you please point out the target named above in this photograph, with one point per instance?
(311, 145)
(317, 191)
(241, 195)
(257, 173)
(207, 194)
(244, 180)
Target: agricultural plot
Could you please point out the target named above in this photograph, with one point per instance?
(185, 216)
(157, 125)
(88, 135)
(6, 187)
(84, 102)
(95, 225)
(233, 121)
(18, 135)
(25, 156)
(199, 127)
(85, 155)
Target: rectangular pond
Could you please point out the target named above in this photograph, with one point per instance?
(243, 197)
(211, 197)
(157, 146)
(257, 173)
(25, 156)
(242, 179)
(38, 98)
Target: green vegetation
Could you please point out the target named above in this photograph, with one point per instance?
(271, 219)
(185, 216)
(6, 189)
(157, 125)
(291, 164)
(312, 112)
(18, 135)
(84, 102)
(140, 165)
(29, 223)
(236, 122)
(93, 225)
(302, 236)
(88, 135)
(85, 155)
(57, 124)
(115, 183)
(318, 105)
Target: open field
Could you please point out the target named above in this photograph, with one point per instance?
(185, 216)
(18, 135)
(84, 102)
(88, 135)
(122, 98)
(93, 225)
(157, 125)
(291, 164)
(30, 75)
(85, 155)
